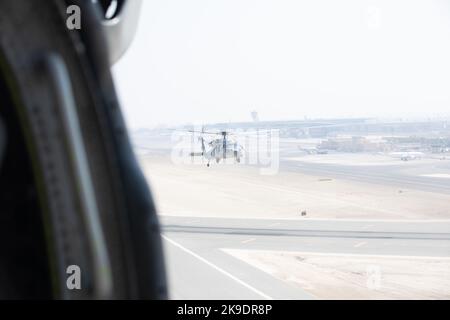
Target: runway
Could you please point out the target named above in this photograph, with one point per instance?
(200, 266)
(400, 175)
(232, 233)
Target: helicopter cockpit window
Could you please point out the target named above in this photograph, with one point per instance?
(302, 148)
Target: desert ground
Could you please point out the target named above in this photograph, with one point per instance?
(392, 217)
(356, 276)
(229, 190)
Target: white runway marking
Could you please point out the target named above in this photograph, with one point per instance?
(179, 246)
(295, 218)
(248, 240)
(274, 224)
(360, 244)
(351, 255)
(437, 175)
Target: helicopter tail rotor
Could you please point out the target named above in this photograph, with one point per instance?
(202, 140)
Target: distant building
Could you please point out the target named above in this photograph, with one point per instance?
(354, 144)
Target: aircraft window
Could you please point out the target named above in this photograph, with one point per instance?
(296, 149)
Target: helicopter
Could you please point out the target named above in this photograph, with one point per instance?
(220, 148)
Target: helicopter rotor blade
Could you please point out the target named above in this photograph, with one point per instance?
(203, 132)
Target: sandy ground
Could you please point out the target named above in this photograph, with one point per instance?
(332, 276)
(240, 191)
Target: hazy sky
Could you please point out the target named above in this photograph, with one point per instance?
(217, 60)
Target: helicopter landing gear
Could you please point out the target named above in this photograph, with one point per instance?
(236, 157)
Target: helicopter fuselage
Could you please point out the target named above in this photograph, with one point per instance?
(219, 150)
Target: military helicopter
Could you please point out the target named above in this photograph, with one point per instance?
(221, 147)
